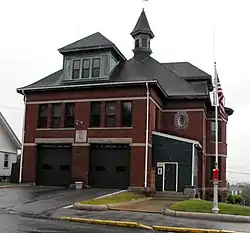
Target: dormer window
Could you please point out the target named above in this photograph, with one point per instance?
(76, 69)
(85, 68)
(93, 66)
(96, 64)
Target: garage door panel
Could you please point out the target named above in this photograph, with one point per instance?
(54, 165)
(109, 167)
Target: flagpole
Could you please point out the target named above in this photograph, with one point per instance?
(215, 208)
(215, 181)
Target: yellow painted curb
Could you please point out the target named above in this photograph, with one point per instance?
(108, 222)
(142, 226)
(189, 230)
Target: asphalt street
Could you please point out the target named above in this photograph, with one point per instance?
(38, 200)
(17, 224)
(28, 209)
(36, 209)
(153, 219)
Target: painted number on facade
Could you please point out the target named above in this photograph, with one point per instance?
(159, 170)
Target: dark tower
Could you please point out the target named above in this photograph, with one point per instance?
(142, 35)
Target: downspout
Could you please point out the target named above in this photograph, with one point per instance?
(193, 164)
(147, 130)
(23, 133)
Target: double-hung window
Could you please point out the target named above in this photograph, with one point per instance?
(76, 69)
(69, 118)
(126, 113)
(43, 116)
(6, 161)
(95, 115)
(56, 115)
(85, 68)
(213, 131)
(96, 65)
(110, 114)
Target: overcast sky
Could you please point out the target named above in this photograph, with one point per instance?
(32, 31)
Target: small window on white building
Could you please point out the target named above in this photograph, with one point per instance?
(6, 160)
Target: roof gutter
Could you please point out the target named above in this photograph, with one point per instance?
(21, 90)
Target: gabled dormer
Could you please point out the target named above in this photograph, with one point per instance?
(91, 58)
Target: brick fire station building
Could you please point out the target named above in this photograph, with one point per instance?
(107, 121)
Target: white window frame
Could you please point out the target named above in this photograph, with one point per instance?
(8, 160)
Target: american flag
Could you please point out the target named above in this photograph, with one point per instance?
(221, 100)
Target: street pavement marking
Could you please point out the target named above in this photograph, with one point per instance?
(110, 194)
(121, 191)
(68, 206)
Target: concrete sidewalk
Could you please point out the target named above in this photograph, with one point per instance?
(152, 219)
(148, 206)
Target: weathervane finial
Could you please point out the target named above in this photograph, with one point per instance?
(143, 2)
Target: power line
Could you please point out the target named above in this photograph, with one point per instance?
(10, 107)
(240, 173)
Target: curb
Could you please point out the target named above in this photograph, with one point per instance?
(142, 226)
(137, 211)
(108, 222)
(189, 230)
(90, 207)
(13, 186)
(208, 216)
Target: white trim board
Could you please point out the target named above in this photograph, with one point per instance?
(220, 155)
(177, 138)
(86, 100)
(86, 85)
(115, 99)
(176, 175)
(7, 152)
(184, 110)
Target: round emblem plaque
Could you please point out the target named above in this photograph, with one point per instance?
(181, 120)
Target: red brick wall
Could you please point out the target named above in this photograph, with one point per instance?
(30, 123)
(80, 163)
(198, 128)
(80, 154)
(137, 164)
(29, 164)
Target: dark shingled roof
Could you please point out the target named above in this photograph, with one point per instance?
(142, 26)
(150, 69)
(94, 41)
(186, 70)
(141, 68)
(131, 71)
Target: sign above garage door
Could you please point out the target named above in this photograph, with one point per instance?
(110, 146)
(55, 145)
